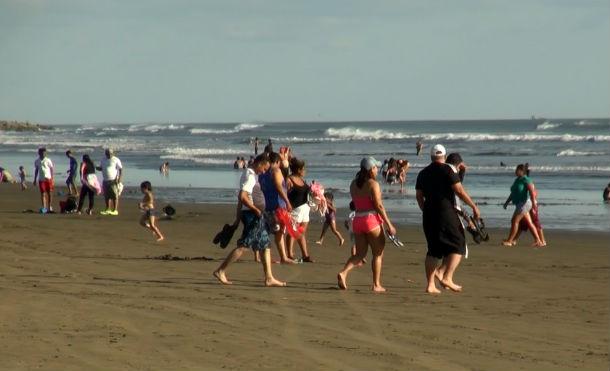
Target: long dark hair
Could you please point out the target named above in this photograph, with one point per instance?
(87, 161)
(362, 176)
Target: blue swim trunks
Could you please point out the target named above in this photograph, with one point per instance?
(254, 234)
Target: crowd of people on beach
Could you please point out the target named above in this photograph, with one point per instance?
(275, 202)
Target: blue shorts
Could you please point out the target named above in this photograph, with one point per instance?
(254, 234)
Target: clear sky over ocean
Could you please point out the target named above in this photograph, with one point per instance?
(76, 61)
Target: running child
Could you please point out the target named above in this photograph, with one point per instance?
(330, 220)
(148, 206)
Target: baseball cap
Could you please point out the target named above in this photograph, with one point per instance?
(438, 150)
(369, 162)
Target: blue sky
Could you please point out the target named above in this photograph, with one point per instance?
(85, 61)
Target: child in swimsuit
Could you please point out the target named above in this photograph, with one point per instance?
(148, 206)
(330, 220)
(349, 225)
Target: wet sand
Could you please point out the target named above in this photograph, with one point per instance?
(89, 293)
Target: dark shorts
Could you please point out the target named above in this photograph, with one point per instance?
(444, 234)
(272, 225)
(70, 180)
(254, 234)
(111, 189)
(151, 213)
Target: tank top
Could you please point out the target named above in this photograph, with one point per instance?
(298, 194)
(272, 197)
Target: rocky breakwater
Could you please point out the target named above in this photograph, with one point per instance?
(21, 126)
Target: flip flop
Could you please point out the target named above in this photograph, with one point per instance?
(394, 239)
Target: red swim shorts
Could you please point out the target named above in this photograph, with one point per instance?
(46, 185)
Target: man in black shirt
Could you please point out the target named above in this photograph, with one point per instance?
(436, 188)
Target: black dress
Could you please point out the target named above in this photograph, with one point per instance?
(442, 227)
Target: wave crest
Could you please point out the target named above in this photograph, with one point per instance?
(571, 152)
(236, 129)
(547, 125)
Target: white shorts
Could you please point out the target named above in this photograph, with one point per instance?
(523, 207)
(301, 214)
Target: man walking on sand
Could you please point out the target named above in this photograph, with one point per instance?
(254, 235)
(436, 188)
(44, 173)
(112, 172)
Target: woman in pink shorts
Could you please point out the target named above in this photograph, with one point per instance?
(368, 222)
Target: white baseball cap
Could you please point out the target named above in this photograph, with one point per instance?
(369, 162)
(438, 150)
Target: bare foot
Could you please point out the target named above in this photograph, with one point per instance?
(341, 241)
(274, 283)
(318, 242)
(452, 286)
(378, 289)
(341, 281)
(433, 290)
(508, 243)
(287, 261)
(220, 276)
(161, 238)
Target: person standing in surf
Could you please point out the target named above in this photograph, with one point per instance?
(436, 188)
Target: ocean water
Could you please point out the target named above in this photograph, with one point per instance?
(569, 159)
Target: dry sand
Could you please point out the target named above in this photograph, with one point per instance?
(85, 293)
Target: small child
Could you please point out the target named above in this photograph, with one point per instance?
(22, 176)
(148, 206)
(330, 220)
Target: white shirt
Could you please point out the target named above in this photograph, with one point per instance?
(249, 184)
(110, 167)
(45, 168)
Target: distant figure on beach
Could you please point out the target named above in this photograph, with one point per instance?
(72, 172)
(90, 185)
(44, 174)
(502, 164)
(6, 176)
(330, 220)
(298, 191)
(236, 163)
(112, 172)
(606, 193)
(368, 223)
(149, 216)
(419, 146)
(164, 169)
(523, 196)
(403, 168)
(250, 162)
(254, 235)
(274, 188)
(22, 176)
(269, 147)
(256, 143)
(436, 187)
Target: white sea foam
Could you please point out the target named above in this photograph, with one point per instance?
(547, 125)
(571, 152)
(350, 133)
(199, 152)
(154, 128)
(199, 160)
(591, 123)
(235, 129)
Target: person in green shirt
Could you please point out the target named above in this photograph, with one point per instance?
(523, 196)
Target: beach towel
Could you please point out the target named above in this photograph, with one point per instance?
(317, 201)
(284, 218)
(92, 182)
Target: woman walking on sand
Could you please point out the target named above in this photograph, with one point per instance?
(298, 189)
(523, 196)
(368, 222)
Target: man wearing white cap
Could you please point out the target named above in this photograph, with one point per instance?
(436, 188)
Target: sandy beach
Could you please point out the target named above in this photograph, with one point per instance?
(90, 293)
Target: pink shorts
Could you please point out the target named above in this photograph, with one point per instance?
(366, 223)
